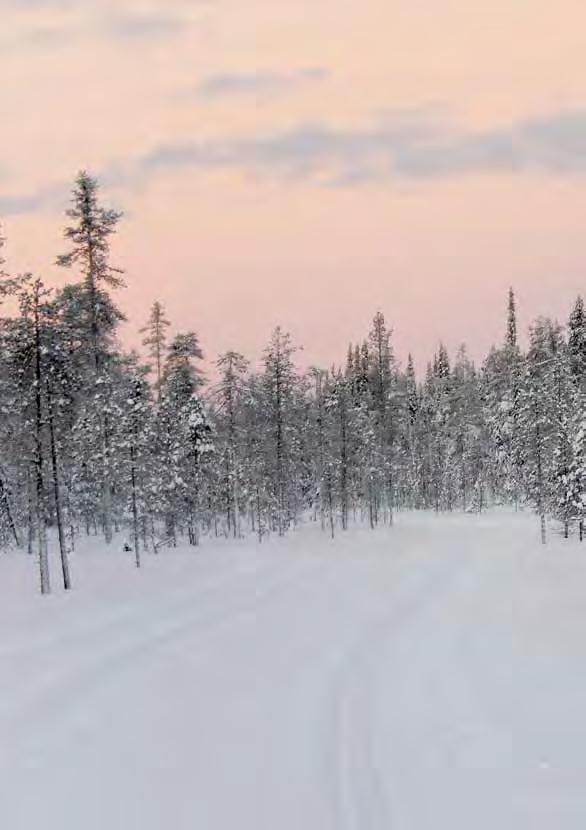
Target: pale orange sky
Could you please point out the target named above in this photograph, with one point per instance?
(307, 162)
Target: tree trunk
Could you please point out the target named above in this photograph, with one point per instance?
(543, 529)
(57, 492)
(105, 484)
(6, 505)
(45, 582)
(135, 535)
(344, 465)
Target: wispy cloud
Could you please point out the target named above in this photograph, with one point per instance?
(27, 5)
(47, 198)
(142, 24)
(402, 147)
(76, 21)
(259, 84)
(408, 147)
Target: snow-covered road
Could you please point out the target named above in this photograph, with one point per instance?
(432, 677)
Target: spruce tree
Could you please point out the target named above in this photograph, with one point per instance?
(228, 394)
(279, 385)
(89, 235)
(577, 343)
(156, 342)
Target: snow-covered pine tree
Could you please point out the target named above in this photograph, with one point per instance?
(185, 437)
(8, 520)
(58, 383)
(502, 376)
(577, 343)
(563, 412)
(537, 421)
(381, 379)
(228, 396)
(577, 472)
(156, 342)
(135, 441)
(320, 450)
(437, 406)
(89, 235)
(256, 450)
(338, 405)
(28, 353)
(279, 382)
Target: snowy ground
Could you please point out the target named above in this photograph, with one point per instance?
(428, 678)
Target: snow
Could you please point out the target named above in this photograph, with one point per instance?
(429, 676)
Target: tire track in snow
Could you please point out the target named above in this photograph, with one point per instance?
(129, 612)
(64, 647)
(363, 799)
(67, 697)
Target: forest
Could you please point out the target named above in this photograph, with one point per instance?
(141, 447)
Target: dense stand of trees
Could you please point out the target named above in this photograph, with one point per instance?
(96, 441)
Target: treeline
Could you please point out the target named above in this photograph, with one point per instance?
(96, 441)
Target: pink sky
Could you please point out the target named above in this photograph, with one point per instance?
(307, 162)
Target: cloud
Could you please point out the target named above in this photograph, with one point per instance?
(142, 24)
(403, 147)
(45, 198)
(406, 146)
(558, 143)
(75, 21)
(26, 5)
(259, 84)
